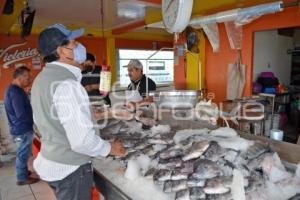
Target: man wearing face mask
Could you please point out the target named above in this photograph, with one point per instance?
(63, 117)
(91, 80)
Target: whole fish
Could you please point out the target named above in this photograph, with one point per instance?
(178, 175)
(193, 182)
(171, 153)
(256, 150)
(162, 175)
(128, 143)
(196, 150)
(206, 169)
(226, 196)
(185, 144)
(141, 145)
(231, 155)
(159, 147)
(149, 151)
(197, 193)
(179, 185)
(158, 141)
(244, 169)
(214, 152)
(256, 163)
(168, 186)
(131, 149)
(169, 163)
(174, 186)
(255, 181)
(183, 195)
(226, 170)
(187, 167)
(218, 185)
(131, 155)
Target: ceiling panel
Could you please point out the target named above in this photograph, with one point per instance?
(78, 13)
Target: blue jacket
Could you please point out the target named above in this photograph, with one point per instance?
(18, 110)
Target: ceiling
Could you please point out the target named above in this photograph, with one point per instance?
(120, 16)
(117, 13)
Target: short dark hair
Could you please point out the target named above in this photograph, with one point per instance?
(50, 58)
(54, 56)
(20, 71)
(90, 57)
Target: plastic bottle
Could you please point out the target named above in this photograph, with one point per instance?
(105, 80)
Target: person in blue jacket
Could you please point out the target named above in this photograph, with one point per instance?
(20, 118)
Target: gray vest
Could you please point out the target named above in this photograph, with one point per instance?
(55, 145)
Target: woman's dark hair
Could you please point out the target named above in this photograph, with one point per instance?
(90, 57)
(20, 71)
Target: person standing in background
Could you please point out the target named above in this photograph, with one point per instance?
(91, 80)
(137, 90)
(19, 114)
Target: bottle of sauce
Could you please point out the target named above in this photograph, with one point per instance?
(105, 80)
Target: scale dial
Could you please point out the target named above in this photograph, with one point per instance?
(176, 14)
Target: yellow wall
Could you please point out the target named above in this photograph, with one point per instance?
(195, 63)
(7, 21)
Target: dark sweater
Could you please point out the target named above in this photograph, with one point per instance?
(91, 78)
(141, 84)
(18, 110)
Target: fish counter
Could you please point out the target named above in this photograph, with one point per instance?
(195, 161)
(110, 181)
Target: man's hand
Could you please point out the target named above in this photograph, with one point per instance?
(117, 149)
(148, 99)
(88, 88)
(91, 87)
(94, 87)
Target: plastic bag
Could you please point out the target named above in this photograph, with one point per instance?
(247, 15)
(236, 78)
(234, 34)
(212, 32)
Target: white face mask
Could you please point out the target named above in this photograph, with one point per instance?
(79, 53)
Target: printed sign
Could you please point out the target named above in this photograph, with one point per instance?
(16, 53)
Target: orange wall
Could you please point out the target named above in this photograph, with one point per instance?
(93, 45)
(216, 63)
(96, 46)
(6, 74)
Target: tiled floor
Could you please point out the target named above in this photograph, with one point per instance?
(10, 191)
